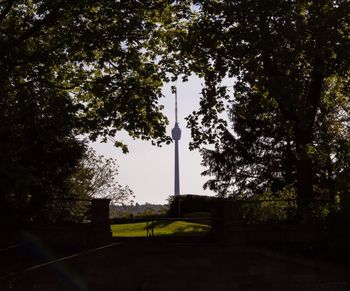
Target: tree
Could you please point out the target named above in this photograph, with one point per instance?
(281, 52)
(69, 68)
(256, 157)
(96, 177)
(38, 150)
(97, 53)
(259, 157)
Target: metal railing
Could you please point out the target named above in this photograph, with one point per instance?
(283, 210)
(156, 227)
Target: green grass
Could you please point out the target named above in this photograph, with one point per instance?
(161, 228)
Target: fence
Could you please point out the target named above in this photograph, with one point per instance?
(156, 227)
(283, 210)
(227, 215)
(86, 222)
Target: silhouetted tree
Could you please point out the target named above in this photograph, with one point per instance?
(69, 68)
(281, 54)
(259, 155)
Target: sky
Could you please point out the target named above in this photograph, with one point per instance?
(149, 170)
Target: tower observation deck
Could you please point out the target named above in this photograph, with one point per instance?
(176, 135)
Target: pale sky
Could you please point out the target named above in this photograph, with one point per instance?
(149, 170)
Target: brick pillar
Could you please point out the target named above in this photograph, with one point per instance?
(232, 215)
(100, 211)
(100, 228)
(232, 222)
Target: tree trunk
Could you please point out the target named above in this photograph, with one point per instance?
(305, 193)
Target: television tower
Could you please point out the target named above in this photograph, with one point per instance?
(176, 135)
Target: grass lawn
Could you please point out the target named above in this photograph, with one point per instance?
(161, 228)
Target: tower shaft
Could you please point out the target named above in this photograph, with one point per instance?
(176, 135)
(177, 172)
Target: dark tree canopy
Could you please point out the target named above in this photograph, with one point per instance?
(289, 62)
(93, 68)
(70, 68)
(96, 53)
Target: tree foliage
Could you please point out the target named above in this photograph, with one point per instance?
(96, 177)
(69, 68)
(289, 66)
(94, 52)
(97, 67)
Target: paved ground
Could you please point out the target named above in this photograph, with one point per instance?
(162, 266)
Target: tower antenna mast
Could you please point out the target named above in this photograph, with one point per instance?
(175, 105)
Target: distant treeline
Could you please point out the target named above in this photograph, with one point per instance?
(146, 209)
